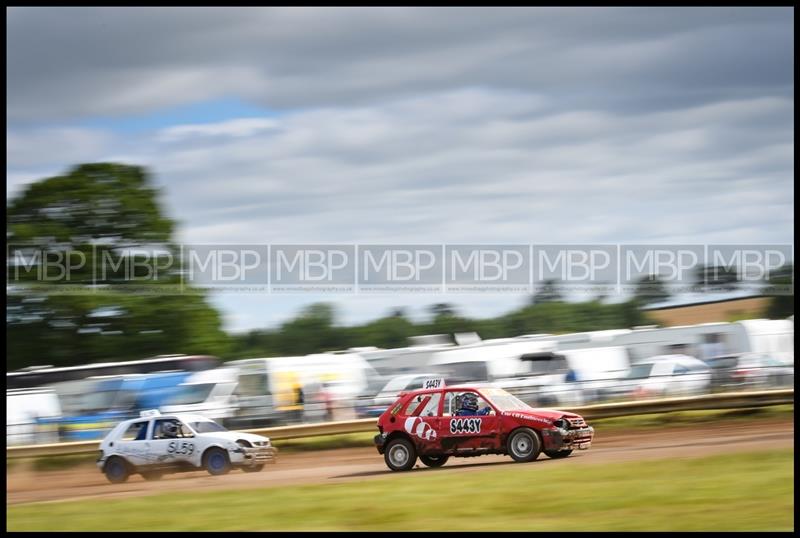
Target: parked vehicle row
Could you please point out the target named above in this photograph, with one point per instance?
(540, 370)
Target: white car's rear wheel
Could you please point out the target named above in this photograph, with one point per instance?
(400, 454)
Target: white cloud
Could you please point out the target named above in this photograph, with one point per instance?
(234, 128)
(424, 126)
(137, 60)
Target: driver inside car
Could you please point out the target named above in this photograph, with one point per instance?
(468, 406)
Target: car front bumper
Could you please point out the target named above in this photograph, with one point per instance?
(558, 440)
(252, 456)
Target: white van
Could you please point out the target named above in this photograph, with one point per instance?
(210, 393)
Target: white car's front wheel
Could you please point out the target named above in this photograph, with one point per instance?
(216, 462)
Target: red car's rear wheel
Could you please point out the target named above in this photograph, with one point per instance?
(400, 454)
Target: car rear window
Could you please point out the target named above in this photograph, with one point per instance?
(135, 432)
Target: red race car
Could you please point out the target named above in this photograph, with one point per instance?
(437, 422)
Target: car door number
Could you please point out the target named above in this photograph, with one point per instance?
(175, 447)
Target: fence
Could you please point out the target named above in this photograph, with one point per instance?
(608, 410)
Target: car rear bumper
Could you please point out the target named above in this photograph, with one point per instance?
(380, 441)
(558, 440)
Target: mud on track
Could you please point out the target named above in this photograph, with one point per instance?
(349, 464)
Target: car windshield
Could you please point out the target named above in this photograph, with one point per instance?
(504, 401)
(191, 394)
(206, 426)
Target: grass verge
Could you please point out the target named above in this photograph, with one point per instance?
(743, 491)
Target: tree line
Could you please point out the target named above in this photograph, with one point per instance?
(101, 209)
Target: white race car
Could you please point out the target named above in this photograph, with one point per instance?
(154, 444)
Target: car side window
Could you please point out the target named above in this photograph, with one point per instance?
(160, 432)
(449, 408)
(431, 408)
(136, 432)
(413, 404)
(451, 403)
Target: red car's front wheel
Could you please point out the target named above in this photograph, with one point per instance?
(524, 445)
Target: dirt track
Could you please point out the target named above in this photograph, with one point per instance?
(331, 466)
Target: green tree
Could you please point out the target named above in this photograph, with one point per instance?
(716, 278)
(102, 211)
(650, 289)
(548, 293)
(780, 286)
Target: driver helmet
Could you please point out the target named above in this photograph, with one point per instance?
(169, 429)
(469, 401)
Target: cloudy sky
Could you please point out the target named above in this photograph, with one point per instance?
(394, 125)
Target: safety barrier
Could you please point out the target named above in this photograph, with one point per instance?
(607, 410)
